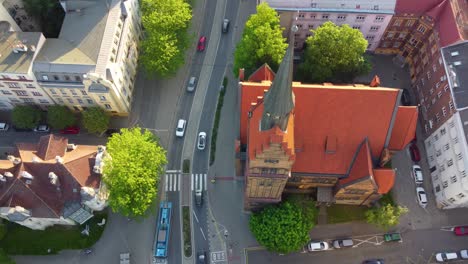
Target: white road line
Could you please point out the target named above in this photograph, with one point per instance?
(204, 179)
(178, 181)
(174, 185)
(192, 182)
(195, 215)
(166, 186)
(197, 181)
(172, 171)
(203, 234)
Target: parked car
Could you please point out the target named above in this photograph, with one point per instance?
(461, 230)
(42, 128)
(4, 126)
(390, 237)
(198, 197)
(180, 130)
(201, 143)
(417, 174)
(373, 261)
(191, 84)
(422, 197)
(202, 257)
(464, 254)
(341, 243)
(70, 130)
(405, 97)
(446, 256)
(414, 151)
(225, 27)
(318, 246)
(201, 43)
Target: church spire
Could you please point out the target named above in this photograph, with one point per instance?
(279, 100)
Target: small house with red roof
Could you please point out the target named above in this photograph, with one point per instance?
(52, 183)
(324, 139)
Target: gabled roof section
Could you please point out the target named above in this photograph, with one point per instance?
(415, 7)
(404, 128)
(361, 166)
(435, 11)
(385, 179)
(250, 95)
(51, 146)
(264, 73)
(447, 27)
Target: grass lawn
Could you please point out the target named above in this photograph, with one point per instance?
(186, 231)
(20, 240)
(339, 213)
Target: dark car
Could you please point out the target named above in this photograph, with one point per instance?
(225, 27)
(414, 151)
(201, 43)
(70, 130)
(405, 97)
(373, 261)
(461, 230)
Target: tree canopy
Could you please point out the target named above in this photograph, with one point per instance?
(262, 41)
(26, 116)
(59, 116)
(95, 119)
(49, 13)
(166, 37)
(132, 171)
(282, 228)
(386, 216)
(334, 53)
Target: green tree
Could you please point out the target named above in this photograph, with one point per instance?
(262, 41)
(4, 258)
(131, 172)
(26, 116)
(49, 13)
(334, 53)
(95, 120)
(282, 228)
(166, 26)
(385, 216)
(59, 116)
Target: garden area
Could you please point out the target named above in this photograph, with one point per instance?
(20, 240)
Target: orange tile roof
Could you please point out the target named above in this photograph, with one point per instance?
(362, 166)
(249, 93)
(404, 128)
(385, 179)
(264, 73)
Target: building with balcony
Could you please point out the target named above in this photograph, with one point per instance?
(93, 61)
(369, 16)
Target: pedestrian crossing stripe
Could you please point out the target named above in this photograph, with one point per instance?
(172, 182)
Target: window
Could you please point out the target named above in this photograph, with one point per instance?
(21, 77)
(397, 23)
(390, 35)
(450, 163)
(451, 105)
(73, 92)
(434, 67)
(409, 23)
(396, 44)
(431, 91)
(436, 137)
(80, 101)
(312, 16)
(28, 100)
(56, 78)
(325, 16)
(447, 146)
(445, 184)
(439, 94)
(402, 35)
(463, 174)
(108, 106)
(360, 18)
(374, 28)
(78, 78)
(311, 26)
(422, 29)
(370, 37)
(90, 101)
(60, 100)
(443, 131)
(21, 93)
(28, 85)
(43, 101)
(63, 92)
(413, 42)
(379, 18)
(446, 88)
(70, 100)
(453, 179)
(83, 92)
(67, 78)
(437, 188)
(460, 195)
(341, 17)
(376, 7)
(452, 200)
(301, 15)
(299, 25)
(6, 92)
(356, 27)
(36, 94)
(459, 156)
(313, 5)
(13, 85)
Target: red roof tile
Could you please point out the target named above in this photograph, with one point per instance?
(362, 165)
(415, 7)
(447, 26)
(404, 129)
(385, 179)
(51, 146)
(249, 93)
(264, 73)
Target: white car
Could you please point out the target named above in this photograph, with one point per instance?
(417, 174)
(41, 128)
(318, 246)
(201, 142)
(422, 197)
(464, 254)
(180, 130)
(4, 127)
(447, 256)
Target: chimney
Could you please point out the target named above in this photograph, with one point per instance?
(35, 159)
(97, 169)
(241, 74)
(71, 147)
(101, 148)
(2, 178)
(375, 82)
(59, 159)
(26, 175)
(54, 179)
(8, 174)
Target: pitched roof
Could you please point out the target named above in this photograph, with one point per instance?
(361, 167)
(51, 146)
(415, 7)
(447, 27)
(264, 73)
(385, 179)
(250, 92)
(404, 129)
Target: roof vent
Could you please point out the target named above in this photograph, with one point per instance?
(71, 146)
(97, 169)
(54, 179)
(2, 178)
(457, 63)
(17, 161)
(101, 148)
(32, 48)
(35, 159)
(8, 174)
(454, 53)
(26, 175)
(58, 159)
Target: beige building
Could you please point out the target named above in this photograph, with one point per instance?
(93, 61)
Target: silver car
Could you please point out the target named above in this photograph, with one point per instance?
(42, 128)
(422, 197)
(201, 143)
(4, 126)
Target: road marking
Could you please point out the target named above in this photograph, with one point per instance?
(204, 178)
(191, 186)
(199, 182)
(218, 256)
(173, 171)
(203, 234)
(195, 215)
(178, 182)
(166, 186)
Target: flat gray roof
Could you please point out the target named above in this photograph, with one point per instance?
(456, 63)
(20, 62)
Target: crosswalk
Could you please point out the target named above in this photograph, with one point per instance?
(172, 181)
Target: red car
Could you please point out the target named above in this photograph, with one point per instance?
(70, 130)
(414, 151)
(461, 230)
(201, 43)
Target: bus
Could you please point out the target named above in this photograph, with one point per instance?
(161, 243)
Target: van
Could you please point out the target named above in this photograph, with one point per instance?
(191, 84)
(341, 243)
(198, 197)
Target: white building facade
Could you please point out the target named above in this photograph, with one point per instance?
(371, 17)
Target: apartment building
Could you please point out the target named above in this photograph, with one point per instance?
(18, 84)
(371, 17)
(93, 61)
(421, 34)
